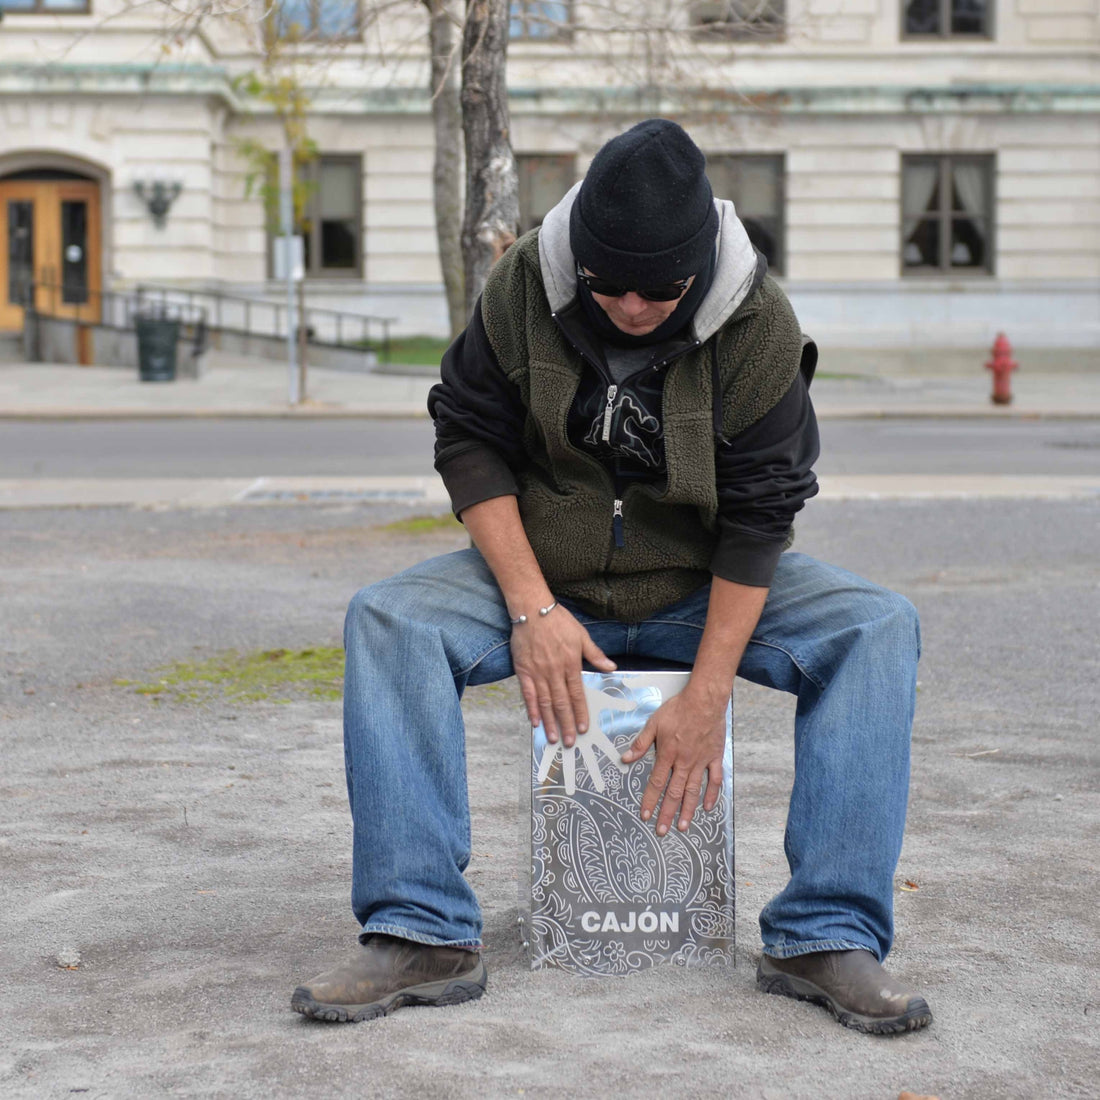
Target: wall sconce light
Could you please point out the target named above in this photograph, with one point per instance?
(158, 197)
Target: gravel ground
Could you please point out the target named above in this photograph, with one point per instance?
(172, 869)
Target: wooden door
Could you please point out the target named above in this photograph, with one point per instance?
(49, 248)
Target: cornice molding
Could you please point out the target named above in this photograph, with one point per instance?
(985, 98)
(24, 78)
(18, 78)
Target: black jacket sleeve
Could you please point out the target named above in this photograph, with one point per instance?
(479, 418)
(764, 476)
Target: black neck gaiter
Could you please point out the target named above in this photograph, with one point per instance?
(606, 330)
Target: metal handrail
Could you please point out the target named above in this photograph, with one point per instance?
(242, 314)
(110, 308)
(116, 309)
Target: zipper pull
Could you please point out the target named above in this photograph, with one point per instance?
(608, 410)
(617, 525)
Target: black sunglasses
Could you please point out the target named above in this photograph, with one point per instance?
(668, 292)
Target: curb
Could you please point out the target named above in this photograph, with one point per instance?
(428, 491)
(341, 412)
(418, 412)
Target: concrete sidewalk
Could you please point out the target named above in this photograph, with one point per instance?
(234, 386)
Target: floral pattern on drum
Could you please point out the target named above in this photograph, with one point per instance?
(605, 894)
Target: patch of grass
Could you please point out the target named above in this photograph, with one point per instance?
(275, 675)
(423, 525)
(411, 350)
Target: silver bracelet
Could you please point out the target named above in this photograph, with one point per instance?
(544, 611)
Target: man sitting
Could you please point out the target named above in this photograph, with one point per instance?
(625, 430)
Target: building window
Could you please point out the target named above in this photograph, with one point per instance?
(315, 20)
(331, 224)
(947, 19)
(740, 20)
(54, 7)
(543, 182)
(540, 19)
(755, 184)
(947, 215)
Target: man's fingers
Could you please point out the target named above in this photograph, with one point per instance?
(674, 795)
(596, 656)
(692, 791)
(544, 701)
(530, 698)
(654, 788)
(577, 701)
(641, 743)
(714, 784)
(563, 712)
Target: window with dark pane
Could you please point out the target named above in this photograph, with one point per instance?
(740, 20)
(545, 19)
(298, 20)
(970, 17)
(947, 18)
(337, 214)
(947, 215)
(755, 184)
(543, 181)
(20, 252)
(74, 252)
(58, 7)
(331, 221)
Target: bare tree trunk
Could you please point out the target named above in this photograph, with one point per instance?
(447, 170)
(492, 187)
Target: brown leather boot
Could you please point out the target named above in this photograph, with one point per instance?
(851, 985)
(388, 973)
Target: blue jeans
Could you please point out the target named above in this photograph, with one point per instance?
(846, 648)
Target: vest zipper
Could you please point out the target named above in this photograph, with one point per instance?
(609, 408)
(617, 525)
(662, 363)
(617, 533)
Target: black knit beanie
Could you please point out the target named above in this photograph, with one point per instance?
(645, 213)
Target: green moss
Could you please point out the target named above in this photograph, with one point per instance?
(275, 675)
(422, 525)
(502, 693)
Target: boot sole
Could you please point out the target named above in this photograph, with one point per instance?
(450, 991)
(916, 1016)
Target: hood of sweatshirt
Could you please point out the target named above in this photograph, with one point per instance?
(735, 276)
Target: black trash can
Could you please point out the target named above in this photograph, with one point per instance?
(157, 337)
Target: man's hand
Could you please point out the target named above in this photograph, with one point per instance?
(690, 735)
(547, 652)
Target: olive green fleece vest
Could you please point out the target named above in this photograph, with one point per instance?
(566, 497)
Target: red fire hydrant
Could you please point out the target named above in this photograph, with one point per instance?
(1002, 365)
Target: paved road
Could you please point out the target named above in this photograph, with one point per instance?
(256, 448)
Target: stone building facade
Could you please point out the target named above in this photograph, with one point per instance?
(921, 173)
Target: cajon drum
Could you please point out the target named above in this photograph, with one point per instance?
(602, 893)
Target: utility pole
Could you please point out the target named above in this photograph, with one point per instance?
(286, 208)
(303, 339)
